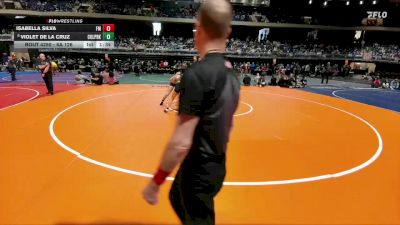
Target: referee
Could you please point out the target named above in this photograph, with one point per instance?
(209, 98)
(47, 73)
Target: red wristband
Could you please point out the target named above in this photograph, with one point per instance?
(160, 176)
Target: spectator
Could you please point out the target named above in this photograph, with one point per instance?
(246, 80)
(5, 58)
(257, 80)
(273, 81)
(97, 79)
(376, 82)
(385, 84)
(262, 82)
(284, 81)
(81, 79)
(111, 79)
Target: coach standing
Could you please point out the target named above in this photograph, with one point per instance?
(209, 98)
(45, 68)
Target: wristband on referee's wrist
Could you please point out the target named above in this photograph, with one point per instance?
(160, 176)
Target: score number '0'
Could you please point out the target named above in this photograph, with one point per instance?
(108, 27)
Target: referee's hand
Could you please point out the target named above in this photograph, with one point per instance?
(150, 193)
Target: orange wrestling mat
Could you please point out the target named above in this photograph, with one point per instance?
(84, 156)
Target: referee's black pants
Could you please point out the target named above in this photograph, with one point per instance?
(13, 72)
(48, 79)
(193, 191)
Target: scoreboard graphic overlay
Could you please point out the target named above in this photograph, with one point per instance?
(56, 34)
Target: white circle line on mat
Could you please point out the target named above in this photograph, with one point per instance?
(251, 109)
(19, 103)
(244, 183)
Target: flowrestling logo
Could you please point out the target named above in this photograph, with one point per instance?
(64, 21)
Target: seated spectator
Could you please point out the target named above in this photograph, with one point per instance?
(104, 74)
(81, 79)
(246, 80)
(385, 84)
(62, 64)
(303, 81)
(262, 82)
(111, 79)
(273, 81)
(97, 79)
(376, 83)
(257, 80)
(395, 84)
(293, 80)
(284, 81)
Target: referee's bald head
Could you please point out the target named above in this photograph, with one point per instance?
(215, 16)
(42, 56)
